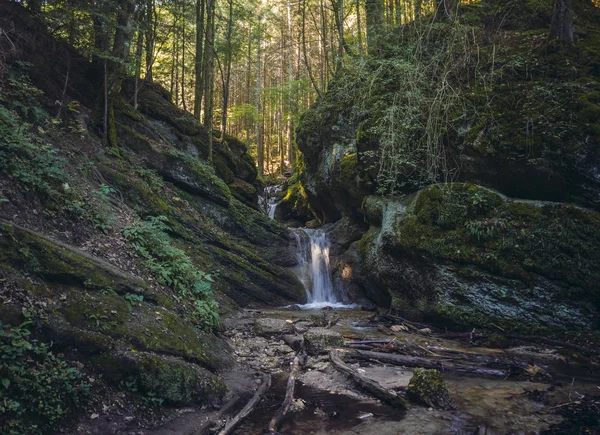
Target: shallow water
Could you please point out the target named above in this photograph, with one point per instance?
(491, 406)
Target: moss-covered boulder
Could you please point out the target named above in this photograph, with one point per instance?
(320, 340)
(429, 388)
(164, 377)
(463, 255)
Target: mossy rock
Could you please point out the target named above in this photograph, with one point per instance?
(244, 191)
(176, 381)
(171, 379)
(320, 340)
(461, 256)
(58, 262)
(427, 386)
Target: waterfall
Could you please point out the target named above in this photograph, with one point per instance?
(314, 269)
(268, 201)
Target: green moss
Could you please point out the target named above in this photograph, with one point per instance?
(349, 167)
(429, 388)
(56, 262)
(178, 382)
(471, 225)
(365, 245)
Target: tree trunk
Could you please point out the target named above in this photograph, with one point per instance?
(116, 66)
(562, 21)
(374, 12)
(149, 38)
(305, 56)
(209, 73)
(291, 101)
(359, 29)
(259, 140)
(183, 56)
(199, 87)
(227, 80)
(138, 66)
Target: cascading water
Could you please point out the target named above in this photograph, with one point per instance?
(269, 201)
(314, 269)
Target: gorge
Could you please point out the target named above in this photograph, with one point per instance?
(392, 226)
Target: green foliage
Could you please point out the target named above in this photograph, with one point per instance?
(172, 267)
(133, 299)
(485, 228)
(38, 388)
(26, 158)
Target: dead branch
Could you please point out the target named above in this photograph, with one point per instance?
(246, 410)
(289, 394)
(502, 368)
(369, 385)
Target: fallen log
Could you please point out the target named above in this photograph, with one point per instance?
(289, 395)
(441, 364)
(246, 410)
(589, 350)
(369, 385)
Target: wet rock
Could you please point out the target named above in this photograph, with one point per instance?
(302, 327)
(319, 340)
(268, 327)
(324, 318)
(429, 388)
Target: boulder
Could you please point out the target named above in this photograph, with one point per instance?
(319, 340)
(267, 327)
(429, 388)
(462, 255)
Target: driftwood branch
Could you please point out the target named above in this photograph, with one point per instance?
(289, 395)
(501, 368)
(369, 385)
(246, 410)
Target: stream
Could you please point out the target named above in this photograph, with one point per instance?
(326, 402)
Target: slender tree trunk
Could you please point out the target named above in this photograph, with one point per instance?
(228, 56)
(209, 74)
(305, 56)
(150, 34)
(291, 101)
(183, 20)
(248, 85)
(116, 66)
(374, 13)
(259, 138)
(199, 87)
(562, 21)
(359, 29)
(139, 49)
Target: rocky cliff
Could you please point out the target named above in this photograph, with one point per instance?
(441, 104)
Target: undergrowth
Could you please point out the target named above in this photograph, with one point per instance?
(38, 388)
(173, 268)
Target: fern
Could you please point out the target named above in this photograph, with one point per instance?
(173, 268)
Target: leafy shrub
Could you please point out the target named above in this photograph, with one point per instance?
(38, 388)
(23, 156)
(172, 267)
